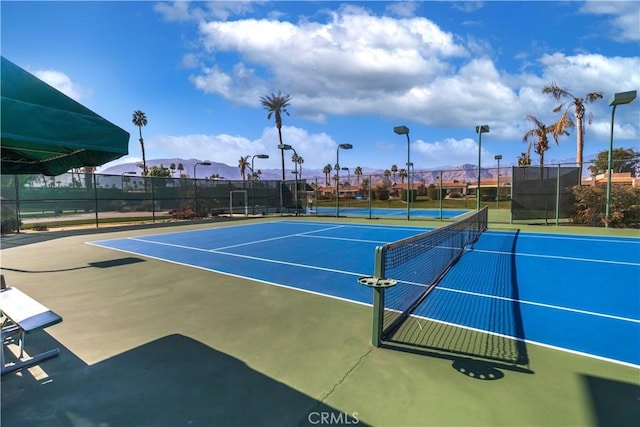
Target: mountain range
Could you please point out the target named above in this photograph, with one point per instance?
(464, 172)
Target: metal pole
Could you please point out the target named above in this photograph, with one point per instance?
(513, 180)
(153, 200)
(558, 197)
(378, 300)
(338, 182)
(17, 190)
(440, 195)
(479, 169)
(609, 159)
(498, 188)
(408, 178)
(95, 196)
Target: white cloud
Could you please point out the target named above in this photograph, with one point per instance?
(448, 152)
(350, 67)
(624, 17)
(356, 63)
(63, 83)
(403, 8)
(182, 11)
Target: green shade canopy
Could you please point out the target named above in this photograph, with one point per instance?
(44, 131)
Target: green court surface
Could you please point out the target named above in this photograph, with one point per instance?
(145, 342)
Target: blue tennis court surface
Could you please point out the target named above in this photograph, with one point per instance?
(577, 293)
(392, 212)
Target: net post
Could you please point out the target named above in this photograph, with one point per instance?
(378, 299)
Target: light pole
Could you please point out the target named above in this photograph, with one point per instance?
(480, 130)
(344, 147)
(253, 180)
(195, 183)
(260, 156)
(403, 130)
(295, 165)
(349, 181)
(619, 98)
(498, 157)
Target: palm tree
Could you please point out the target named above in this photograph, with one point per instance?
(524, 159)
(300, 161)
(387, 173)
(172, 166)
(140, 119)
(357, 172)
(403, 174)
(326, 171)
(276, 105)
(578, 105)
(243, 164)
(394, 170)
(540, 131)
(180, 169)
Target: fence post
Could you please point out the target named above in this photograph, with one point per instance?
(369, 191)
(153, 201)
(513, 169)
(95, 196)
(558, 197)
(17, 188)
(440, 195)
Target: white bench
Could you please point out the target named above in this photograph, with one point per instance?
(22, 315)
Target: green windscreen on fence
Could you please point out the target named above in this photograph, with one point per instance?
(543, 193)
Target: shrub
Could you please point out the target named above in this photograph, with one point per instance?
(182, 213)
(8, 223)
(590, 204)
(381, 193)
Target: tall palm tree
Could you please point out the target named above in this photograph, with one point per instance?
(276, 105)
(326, 171)
(180, 169)
(358, 172)
(172, 166)
(402, 173)
(300, 161)
(243, 164)
(540, 131)
(578, 105)
(140, 119)
(394, 171)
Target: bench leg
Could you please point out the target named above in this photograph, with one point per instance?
(35, 360)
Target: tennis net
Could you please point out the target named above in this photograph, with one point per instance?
(419, 262)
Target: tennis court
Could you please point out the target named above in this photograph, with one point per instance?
(391, 212)
(573, 293)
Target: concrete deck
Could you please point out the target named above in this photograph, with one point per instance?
(149, 343)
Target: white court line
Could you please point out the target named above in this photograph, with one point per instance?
(539, 304)
(274, 238)
(332, 270)
(553, 347)
(602, 261)
(620, 239)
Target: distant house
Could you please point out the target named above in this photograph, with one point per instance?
(617, 178)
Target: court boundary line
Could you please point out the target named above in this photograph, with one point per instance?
(349, 273)
(237, 276)
(562, 257)
(293, 288)
(527, 341)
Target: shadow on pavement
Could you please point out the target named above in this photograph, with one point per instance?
(171, 381)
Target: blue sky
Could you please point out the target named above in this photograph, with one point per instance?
(354, 70)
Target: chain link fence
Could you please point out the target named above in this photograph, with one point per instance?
(531, 194)
(38, 201)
